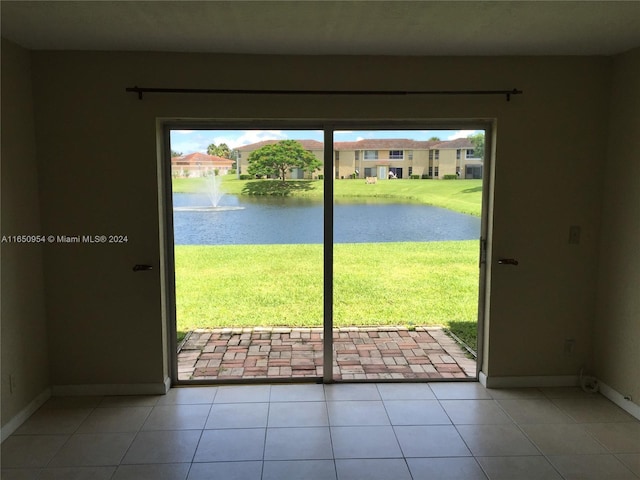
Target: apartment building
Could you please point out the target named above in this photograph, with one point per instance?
(199, 165)
(388, 158)
(313, 146)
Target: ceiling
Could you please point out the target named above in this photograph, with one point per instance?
(327, 27)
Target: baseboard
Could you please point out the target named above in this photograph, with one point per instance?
(22, 416)
(112, 389)
(529, 381)
(617, 398)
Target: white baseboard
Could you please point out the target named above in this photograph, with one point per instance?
(112, 389)
(617, 398)
(529, 381)
(22, 416)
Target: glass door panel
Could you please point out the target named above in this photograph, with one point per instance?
(405, 258)
(248, 253)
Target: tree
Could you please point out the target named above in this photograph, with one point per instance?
(280, 158)
(478, 145)
(221, 150)
(175, 154)
(434, 139)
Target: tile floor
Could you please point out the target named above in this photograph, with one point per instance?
(344, 431)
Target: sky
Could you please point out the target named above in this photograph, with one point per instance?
(191, 141)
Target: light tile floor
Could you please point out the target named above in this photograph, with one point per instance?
(345, 431)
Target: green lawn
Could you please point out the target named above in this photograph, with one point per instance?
(374, 284)
(432, 283)
(463, 196)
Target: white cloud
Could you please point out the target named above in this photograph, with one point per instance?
(359, 138)
(461, 134)
(254, 136)
(188, 146)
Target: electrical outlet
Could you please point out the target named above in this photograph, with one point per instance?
(569, 345)
(574, 234)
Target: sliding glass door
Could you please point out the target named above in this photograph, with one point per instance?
(315, 253)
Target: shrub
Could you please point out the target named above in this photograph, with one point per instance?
(320, 177)
(450, 177)
(426, 177)
(231, 171)
(245, 176)
(414, 176)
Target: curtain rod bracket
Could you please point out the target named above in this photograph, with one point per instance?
(137, 90)
(515, 91)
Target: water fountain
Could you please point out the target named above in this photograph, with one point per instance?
(213, 190)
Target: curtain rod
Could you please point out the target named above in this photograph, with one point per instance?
(141, 90)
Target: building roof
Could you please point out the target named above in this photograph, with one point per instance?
(306, 144)
(384, 144)
(457, 143)
(373, 144)
(198, 158)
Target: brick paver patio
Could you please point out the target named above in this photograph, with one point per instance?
(359, 354)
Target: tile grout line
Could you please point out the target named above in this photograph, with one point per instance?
(326, 408)
(542, 454)
(266, 431)
(460, 435)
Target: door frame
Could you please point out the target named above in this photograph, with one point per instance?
(328, 126)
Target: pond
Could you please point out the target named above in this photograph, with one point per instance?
(288, 220)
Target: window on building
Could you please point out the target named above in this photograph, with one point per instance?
(430, 171)
(337, 155)
(410, 171)
(458, 154)
(410, 154)
(436, 172)
(434, 154)
(357, 154)
(370, 154)
(470, 153)
(396, 154)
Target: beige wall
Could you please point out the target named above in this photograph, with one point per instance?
(447, 162)
(347, 164)
(420, 162)
(105, 321)
(24, 328)
(617, 328)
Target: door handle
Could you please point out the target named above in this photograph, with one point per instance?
(508, 261)
(142, 268)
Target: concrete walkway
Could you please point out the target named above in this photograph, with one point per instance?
(366, 353)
